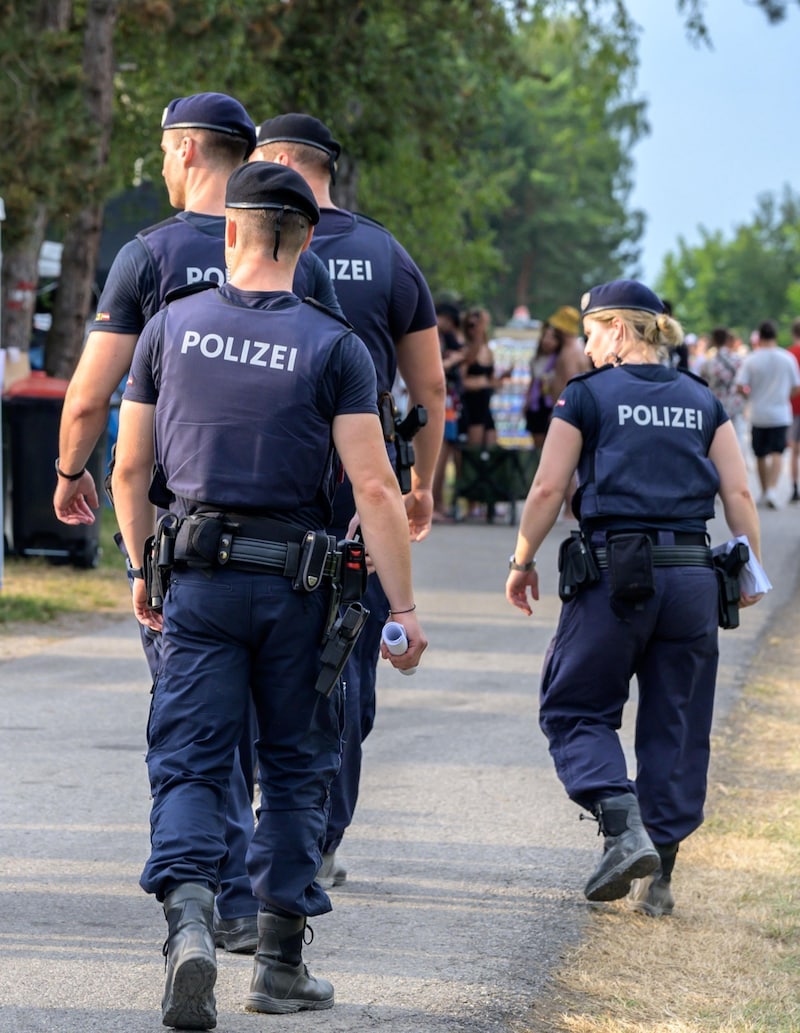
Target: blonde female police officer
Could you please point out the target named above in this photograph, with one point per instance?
(652, 447)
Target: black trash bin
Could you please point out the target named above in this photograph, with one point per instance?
(31, 418)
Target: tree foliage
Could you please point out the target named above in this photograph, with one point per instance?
(491, 137)
(741, 281)
(564, 136)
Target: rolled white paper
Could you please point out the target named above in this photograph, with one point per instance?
(394, 636)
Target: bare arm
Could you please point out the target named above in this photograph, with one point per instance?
(419, 361)
(560, 454)
(571, 361)
(741, 515)
(360, 445)
(133, 471)
(105, 360)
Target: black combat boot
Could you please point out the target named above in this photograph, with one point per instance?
(281, 982)
(652, 895)
(191, 958)
(628, 852)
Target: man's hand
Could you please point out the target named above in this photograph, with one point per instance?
(74, 501)
(417, 643)
(517, 585)
(144, 615)
(419, 509)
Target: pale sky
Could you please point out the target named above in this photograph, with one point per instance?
(725, 123)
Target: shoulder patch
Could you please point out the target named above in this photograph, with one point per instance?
(694, 376)
(157, 225)
(328, 311)
(591, 372)
(370, 222)
(187, 289)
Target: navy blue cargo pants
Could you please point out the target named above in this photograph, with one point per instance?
(230, 636)
(670, 644)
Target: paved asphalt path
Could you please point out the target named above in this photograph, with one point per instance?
(466, 862)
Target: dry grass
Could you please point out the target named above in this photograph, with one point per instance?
(40, 600)
(728, 960)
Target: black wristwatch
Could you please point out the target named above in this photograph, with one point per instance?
(136, 572)
(69, 476)
(523, 567)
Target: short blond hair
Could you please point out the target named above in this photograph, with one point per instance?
(659, 331)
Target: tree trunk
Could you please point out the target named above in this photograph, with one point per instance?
(74, 297)
(20, 277)
(522, 289)
(345, 192)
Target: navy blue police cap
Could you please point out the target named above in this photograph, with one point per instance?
(297, 128)
(622, 294)
(215, 111)
(266, 184)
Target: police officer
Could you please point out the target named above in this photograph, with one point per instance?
(385, 297)
(240, 395)
(204, 138)
(652, 447)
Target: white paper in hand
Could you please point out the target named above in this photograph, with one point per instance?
(394, 636)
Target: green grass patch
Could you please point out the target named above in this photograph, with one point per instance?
(36, 591)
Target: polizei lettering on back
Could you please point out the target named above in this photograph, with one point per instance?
(661, 416)
(253, 353)
(350, 269)
(213, 275)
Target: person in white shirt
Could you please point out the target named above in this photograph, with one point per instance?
(769, 377)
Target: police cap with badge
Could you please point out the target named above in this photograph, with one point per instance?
(265, 184)
(621, 294)
(215, 111)
(295, 127)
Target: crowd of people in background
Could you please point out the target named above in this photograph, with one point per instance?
(757, 382)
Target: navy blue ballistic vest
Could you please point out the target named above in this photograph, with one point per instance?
(361, 264)
(651, 459)
(182, 253)
(237, 424)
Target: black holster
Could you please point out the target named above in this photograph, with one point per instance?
(728, 567)
(399, 432)
(159, 557)
(338, 644)
(576, 566)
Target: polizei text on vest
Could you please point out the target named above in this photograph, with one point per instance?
(231, 349)
(661, 416)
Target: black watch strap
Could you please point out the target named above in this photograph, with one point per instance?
(136, 572)
(69, 476)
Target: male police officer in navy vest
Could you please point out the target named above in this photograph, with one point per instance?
(204, 138)
(385, 297)
(242, 397)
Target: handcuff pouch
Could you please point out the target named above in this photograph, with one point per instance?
(314, 551)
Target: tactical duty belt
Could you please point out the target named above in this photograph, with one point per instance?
(668, 556)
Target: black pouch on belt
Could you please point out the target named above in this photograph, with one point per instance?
(630, 568)
(197, 543)
(576, 566)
